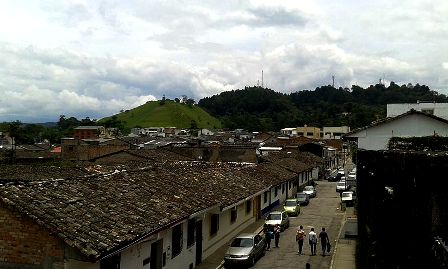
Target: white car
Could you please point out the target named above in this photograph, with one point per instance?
(342, 186)
(310, 190)
(277, 218)
(348, 198)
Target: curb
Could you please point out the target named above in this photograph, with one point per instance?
(337, 241)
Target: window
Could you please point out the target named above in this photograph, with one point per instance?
(177, 239)
(265, 199)
(309, 134)
(289, 185)
(248, 206)
(190, 235)
(214, 224)
(275, 191)
(233, 214)
(283, 188)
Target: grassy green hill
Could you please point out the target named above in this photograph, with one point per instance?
(170, 114)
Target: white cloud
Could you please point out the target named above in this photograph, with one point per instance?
(94, 58)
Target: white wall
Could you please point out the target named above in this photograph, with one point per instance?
(334, 132)
(227, 230)
(315, 173)
(133, 257)
(414, 125)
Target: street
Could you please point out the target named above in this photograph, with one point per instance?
(322, 211)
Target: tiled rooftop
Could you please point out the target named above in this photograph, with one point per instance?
(101, 213)
(38, 172)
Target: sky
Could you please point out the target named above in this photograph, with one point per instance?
(85, 58)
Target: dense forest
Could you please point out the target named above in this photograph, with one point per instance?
(260, 109)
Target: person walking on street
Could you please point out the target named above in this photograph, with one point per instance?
(268, 234)
(300, 237)
(324, 240)
(312, 236)
(277, 234)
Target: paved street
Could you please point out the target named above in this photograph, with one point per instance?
(321, 212)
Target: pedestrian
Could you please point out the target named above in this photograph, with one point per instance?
(307, 266)
(277, 231)
(312, 237)
(268, 234)
(300, 237)
(324, 240)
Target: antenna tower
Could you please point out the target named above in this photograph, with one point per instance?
(262, 79)
(333, 80)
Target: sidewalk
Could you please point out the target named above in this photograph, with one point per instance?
(216, 259)
(344, 256)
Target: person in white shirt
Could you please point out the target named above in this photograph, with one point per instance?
(312, 236)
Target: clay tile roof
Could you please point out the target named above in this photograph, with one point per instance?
(38, 172)
(103, 213)
(287, 161)
(305, 160)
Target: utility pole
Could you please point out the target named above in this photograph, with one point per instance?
(333, 80)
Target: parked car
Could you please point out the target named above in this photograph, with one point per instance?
(348, 198)
(351, 180)
(310, 190)
(342, 186)
(333, 178)
(292, 207)
(303, 198)
(278, 217)
(245, 249)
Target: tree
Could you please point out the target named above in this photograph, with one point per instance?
(193, 128)
(162, 102)
(190, 102)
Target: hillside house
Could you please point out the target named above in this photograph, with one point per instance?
(334, 132)
(309, 132)
(89, 132)
(86, 149)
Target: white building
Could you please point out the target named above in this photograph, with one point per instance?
(410, 124)
(437, 109)
(334, 132)
(289, 131)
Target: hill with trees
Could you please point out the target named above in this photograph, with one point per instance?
(260, 109)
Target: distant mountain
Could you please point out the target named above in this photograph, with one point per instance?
(166, 113)
(260, 109)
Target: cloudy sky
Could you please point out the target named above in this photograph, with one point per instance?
(86, 58)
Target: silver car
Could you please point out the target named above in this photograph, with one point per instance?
(303, 198)
(245, 249)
